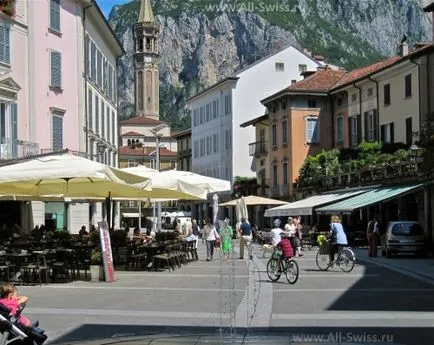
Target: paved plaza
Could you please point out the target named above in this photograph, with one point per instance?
(205, 297)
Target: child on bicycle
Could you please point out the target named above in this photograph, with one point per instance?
(338, 237)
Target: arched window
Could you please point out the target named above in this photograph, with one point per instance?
(140, 93)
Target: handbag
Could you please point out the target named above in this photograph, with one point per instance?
(217, 243)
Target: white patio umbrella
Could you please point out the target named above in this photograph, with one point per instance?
(69, 176)
(253, 200)
(168, 186)
(210, 184)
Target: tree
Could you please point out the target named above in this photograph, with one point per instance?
(426, 141)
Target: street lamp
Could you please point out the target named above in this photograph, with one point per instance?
(156, 132)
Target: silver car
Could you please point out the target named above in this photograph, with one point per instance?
(405, 237)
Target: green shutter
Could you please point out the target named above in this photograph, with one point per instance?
(56, 69)
(4, 44)
(57, 132)
(55, 15)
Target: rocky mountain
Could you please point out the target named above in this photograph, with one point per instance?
(202, 41)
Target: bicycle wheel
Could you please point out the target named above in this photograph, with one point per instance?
(347, 260)
(322, 261)
(291, 271)
(274, 269)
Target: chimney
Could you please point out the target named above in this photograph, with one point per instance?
(430, 8)
(403, 47)
(321, 68)
(306, 74)
(319, 58)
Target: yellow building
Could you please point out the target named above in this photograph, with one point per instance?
(183, 140)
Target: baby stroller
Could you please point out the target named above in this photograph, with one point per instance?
(14, 333)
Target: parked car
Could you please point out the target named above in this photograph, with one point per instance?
(405, 237)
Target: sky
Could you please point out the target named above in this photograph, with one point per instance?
(106, 5)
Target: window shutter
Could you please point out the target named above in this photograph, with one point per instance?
(113, 128)
(96, 114)
(56, 69)
(55, 15)
(90, 114)
(57, 132)
(366, 125)
(14, 134)
(107, 124)
(383, 133)
(359, 129)
(93, 61)
(350, 132)
(7, 45)
(375, 125)
(392, 132)
(2, 43)
(102, 119)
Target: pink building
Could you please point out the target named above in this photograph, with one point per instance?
(57, 91)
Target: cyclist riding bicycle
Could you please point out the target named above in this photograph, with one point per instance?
(280, 240)
(338, 237)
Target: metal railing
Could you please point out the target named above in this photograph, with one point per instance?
(258, 148)
(14, 148)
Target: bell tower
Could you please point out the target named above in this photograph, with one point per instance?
(146, 56)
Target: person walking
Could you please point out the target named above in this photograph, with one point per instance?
(245, 237)
(209, 235)
(226, 234)
(371, 234)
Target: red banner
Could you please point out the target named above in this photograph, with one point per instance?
(109, 269)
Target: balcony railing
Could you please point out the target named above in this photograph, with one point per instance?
(397, 172)
(14, 148)
(258, 148)
(263, 188)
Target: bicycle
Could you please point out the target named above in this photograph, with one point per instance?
(345, 258)
(278, 265)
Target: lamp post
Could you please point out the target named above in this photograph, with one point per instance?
(155, 131)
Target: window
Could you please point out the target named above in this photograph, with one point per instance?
(208, 146)
(370, 125)
(140, 92)
(195, 119)
(90, 114)
(388, 133)
(201, 115)
(208, 112)
(228, 141)
(114, 128)
(56, 69)
(99, 68)
(370, 92)
(227, 104)
(107, 124)
(55, 15)
(275, 175)
(202, 147)
(280, 67)
(285, 172)
(215, 109)
(312, 130)
(284, 132)
(57, 130)
(409, 131)
(196, 149)
(274, 134)
(93, 61)
(354, 130)
(5, 33)
(386, 89)
(302, 68)
(340, 129)
(102, 119)
(407, 82)
(339, 102)
(354, 97)
(96, 114)
(215, 139)
(311, 103)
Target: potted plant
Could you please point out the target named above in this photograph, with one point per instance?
(96, 265)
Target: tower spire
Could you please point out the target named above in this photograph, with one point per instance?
(146, 14)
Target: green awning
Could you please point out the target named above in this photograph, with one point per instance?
(372, 197)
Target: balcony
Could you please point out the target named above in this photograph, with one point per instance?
(258, 148)
(14, 148)
(396, 172)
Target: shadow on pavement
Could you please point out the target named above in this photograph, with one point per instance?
(383, 290)
(173, 335)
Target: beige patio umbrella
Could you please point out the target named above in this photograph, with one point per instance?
(253, 200)
(168, 186)
(70, 176)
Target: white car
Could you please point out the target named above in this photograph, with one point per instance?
(405, 237)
